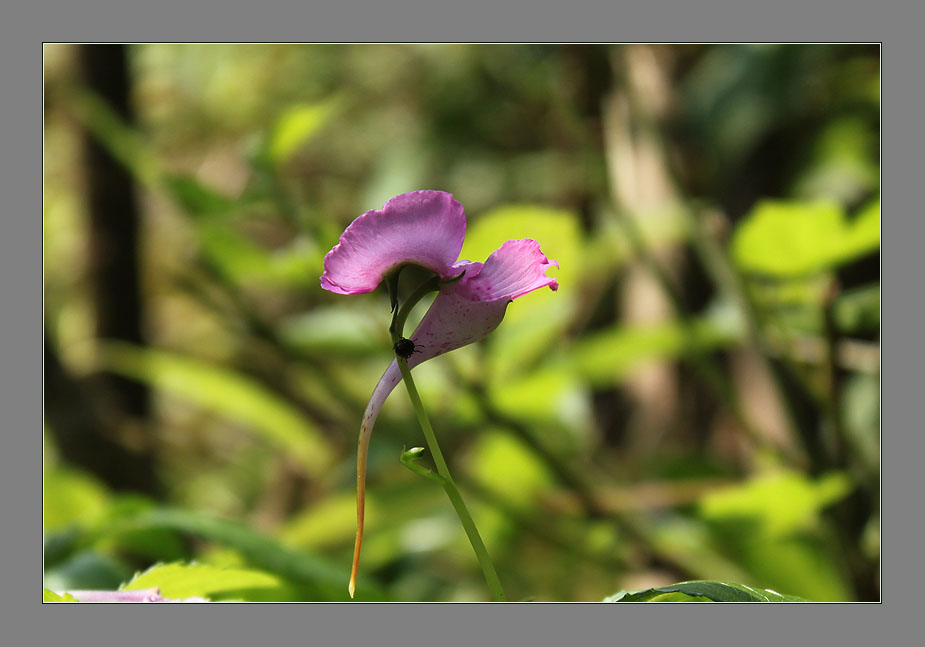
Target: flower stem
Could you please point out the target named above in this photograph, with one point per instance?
(449, 486)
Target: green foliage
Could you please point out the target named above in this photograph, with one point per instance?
(502, 464)
(612, 355)
(239, 398)
(782, 503)
(295, 127)
(858, 310)
(87, 569)
(51, 596)
(178, 581)
(71, 495)
(703, 591)
(793, 239)
(302, 567)
(773, 525)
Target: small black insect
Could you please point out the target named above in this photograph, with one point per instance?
(405, 348)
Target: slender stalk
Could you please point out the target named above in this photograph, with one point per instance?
(449, 486)
(400, 315)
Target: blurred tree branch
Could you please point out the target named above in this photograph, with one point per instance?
(89, 437)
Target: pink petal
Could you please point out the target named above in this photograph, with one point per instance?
(139, 595)
(512, 270)
(423, 228)
(451, 322)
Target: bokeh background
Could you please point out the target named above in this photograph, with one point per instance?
(699, 400)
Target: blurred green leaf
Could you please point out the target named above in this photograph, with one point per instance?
(858, 310)
(51, 596)
(793, 239)
(179, 580)
(348, 330)
(504, 465)
(123, 142)
(772, 525)
(783, 502)
(227, 393)
(609, 356)
(861, 397)
(244, 262)
(72, 498)
(843, 165)
(320, 579)
(153, 544)
(87, 569)
(295, 127)
(702, 590)
(197, 199)
(541, 395)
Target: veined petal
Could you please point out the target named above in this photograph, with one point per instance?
(512, 270)
(423, 228)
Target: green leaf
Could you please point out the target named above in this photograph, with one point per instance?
(793, 239)
(502, 464)
(87, 569)
(844, 164)
(858, 310)
(124, 143)
(72, 497)
(348, 330)
(318, 578)
(229, 394)
(295, 127)
(613, 354)
(782, 502)
(243, 261)
(703, 590)
(51, 596)
(772, 526)
(197, 199)
(179, 580)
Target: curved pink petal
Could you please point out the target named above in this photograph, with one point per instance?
(423, 228)
(512, 270)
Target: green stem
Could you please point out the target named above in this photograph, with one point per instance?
(450, 488)
(400, 315)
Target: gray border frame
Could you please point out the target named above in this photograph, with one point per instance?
(414, 21)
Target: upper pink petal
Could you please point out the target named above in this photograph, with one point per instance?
(423, 228)
(512, 270)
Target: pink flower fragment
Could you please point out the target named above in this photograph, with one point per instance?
(141, 595)
(427, 228)
(423, 228)
(468, 310)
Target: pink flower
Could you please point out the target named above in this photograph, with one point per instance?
(427, 228)
(143, 595)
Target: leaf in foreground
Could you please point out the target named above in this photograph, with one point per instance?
(703, 591)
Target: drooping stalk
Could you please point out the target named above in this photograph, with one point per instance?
(449, 486)
(399, 315)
